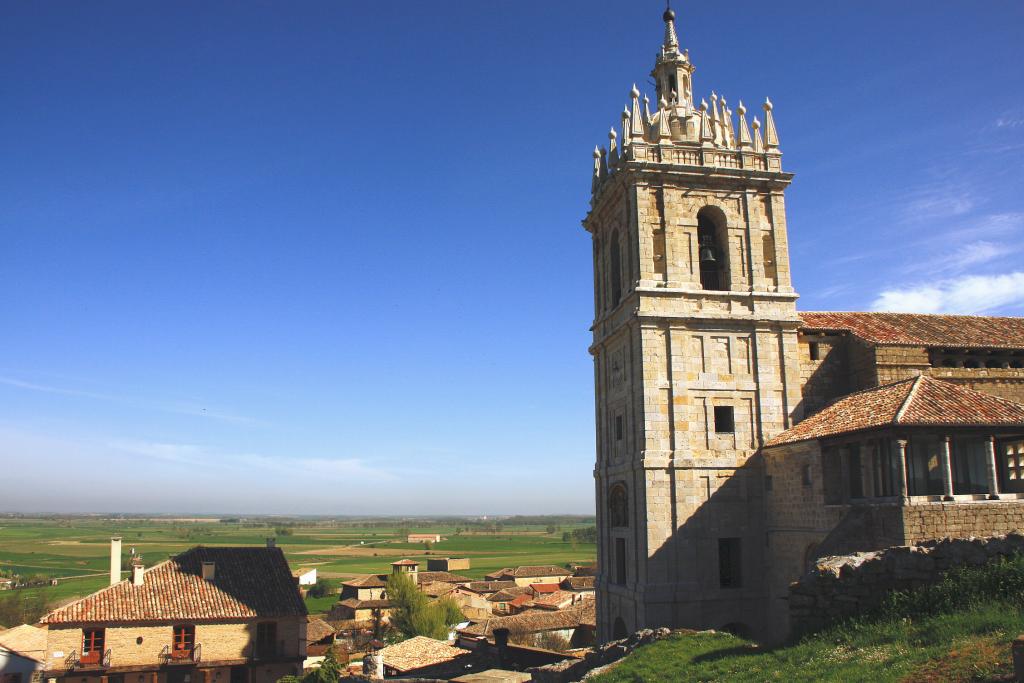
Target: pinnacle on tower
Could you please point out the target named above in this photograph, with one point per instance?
(625, 126)
(636, 121)
(707, 136)
(613, 148)
(758, 143)
(744, 131)
(771, 138)
(664, 125)
(596, 179)
(671, 39)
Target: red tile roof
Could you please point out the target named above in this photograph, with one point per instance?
(921, 401)
(419, 652)
(535, 621)
(371, 581)
(920, 329)
(248, 583)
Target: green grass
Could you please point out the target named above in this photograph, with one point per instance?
(958, 630)
(79, 547)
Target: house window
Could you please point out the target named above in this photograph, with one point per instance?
(729, 566)
(266, 639)
(620, 561)
(725, 420)
(805, 475)
(92, 645)
(854, 471)
(184, 640)
(1013, 472)
(814, 351)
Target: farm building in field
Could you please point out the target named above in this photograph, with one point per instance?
(447, 564)
(423, 538)
(230, 615)
(305, 577)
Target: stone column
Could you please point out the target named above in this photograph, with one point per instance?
(993, 481)
(947, 468)
(901, 479)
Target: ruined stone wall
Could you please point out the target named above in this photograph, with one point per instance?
(845, 586)
(961, 520)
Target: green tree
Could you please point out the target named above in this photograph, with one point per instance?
(20, 606)
(413, 614)
(319, 589)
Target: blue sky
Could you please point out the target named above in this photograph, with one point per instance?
(325, 257)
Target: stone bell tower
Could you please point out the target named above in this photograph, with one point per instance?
(695, 354)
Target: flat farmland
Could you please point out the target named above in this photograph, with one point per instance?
(76, 550)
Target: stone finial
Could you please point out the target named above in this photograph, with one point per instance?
(604, 163)
(613, 148)
(771, 138)
(744, 142)
(664, 125)
(758, 143)
(625, 126)
(636, 121)
(647, 110)
(716, 124)
(707, 135)
(595, 181)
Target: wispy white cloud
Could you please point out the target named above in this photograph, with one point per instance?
(966, 294)
(1010, 121)
(177, 408)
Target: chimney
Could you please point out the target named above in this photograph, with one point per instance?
(138, 574)
(501, 643)
(115, 560)
(209, 571)
(271, 542)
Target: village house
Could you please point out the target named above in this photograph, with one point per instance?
(423, 657)
(22, 653)
(575, 626)
(524, 576)
(320, 637)
(305, 577)
(423, 538)
(447, 564)
(365, 599)
(208, 615)
(738, 439)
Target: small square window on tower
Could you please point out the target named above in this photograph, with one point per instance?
(725, 420)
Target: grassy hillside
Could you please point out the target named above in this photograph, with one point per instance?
(958, 630)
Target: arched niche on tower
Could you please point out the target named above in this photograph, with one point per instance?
(713, 249)
(618, 506)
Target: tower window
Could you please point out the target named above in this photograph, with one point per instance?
(730, 569)
(711, 256)
(618, 428)
(725, 420)
(814, 351)
(618, 506)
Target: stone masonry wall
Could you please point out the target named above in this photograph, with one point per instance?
(841, 587)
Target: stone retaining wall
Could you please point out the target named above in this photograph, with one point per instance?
(841, 587)
(571, 670)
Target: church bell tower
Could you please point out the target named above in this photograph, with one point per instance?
(695, 354)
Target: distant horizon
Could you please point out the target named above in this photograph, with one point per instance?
(248, 515)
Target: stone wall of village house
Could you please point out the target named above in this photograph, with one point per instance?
(258, 673)
(221, 641)
(663, 361)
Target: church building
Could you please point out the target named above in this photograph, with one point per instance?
(739, 440)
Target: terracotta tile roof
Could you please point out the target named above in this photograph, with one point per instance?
(920, 329)
(544, 587)
(356, 603)
(419, 652)
(921, 401)
(27, 640)
(447, 577)
(490, 586)
(535, 621)
(249, 583)
(556, 599)
(529, 571)
(507, 594)
(372, 581)
(405, 563)
(436, 589)
(318, 629)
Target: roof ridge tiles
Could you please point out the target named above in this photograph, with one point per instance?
(908, 400)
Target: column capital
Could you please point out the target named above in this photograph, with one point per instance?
(902, 443)
(947, 438)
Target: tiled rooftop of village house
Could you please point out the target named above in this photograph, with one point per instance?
(372, 581)
(318, 629)
(447, 577)
(26, 640)
(534, 621)
(529, 571)
(919, 329)
(248, 583)
(419, 652)
(920, 401)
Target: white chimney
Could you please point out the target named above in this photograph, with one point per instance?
(138, 574)
(209, 571)
(115, 560)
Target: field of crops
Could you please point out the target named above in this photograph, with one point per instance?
(76, 550)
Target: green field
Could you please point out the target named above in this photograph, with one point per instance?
(76, 550)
